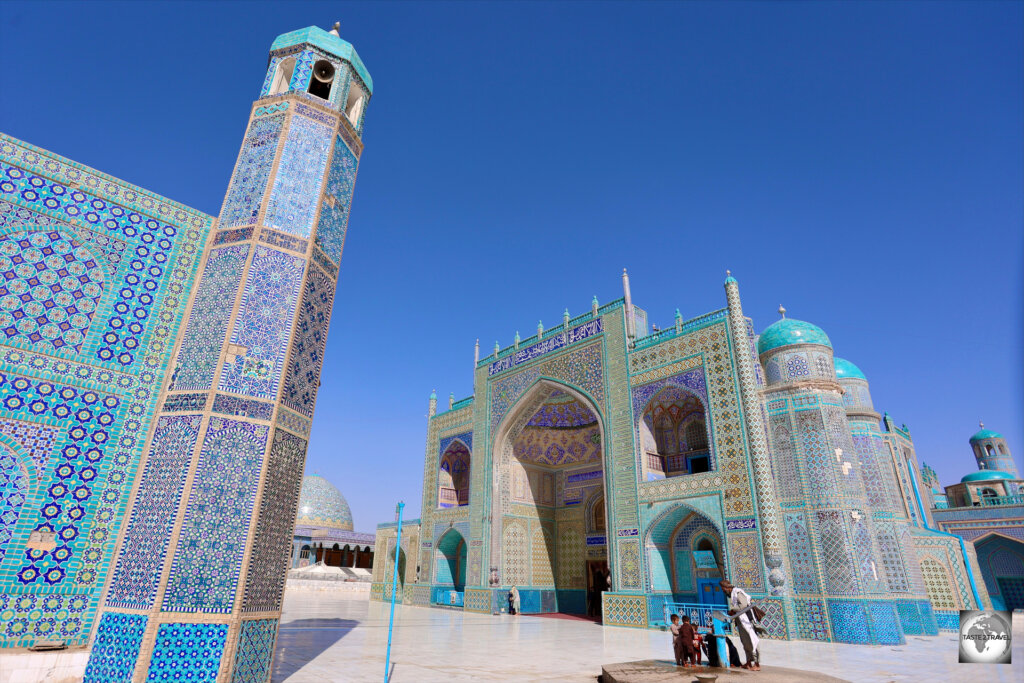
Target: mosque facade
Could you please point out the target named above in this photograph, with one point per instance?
(675, 458)
(158, 375)
(986, 508)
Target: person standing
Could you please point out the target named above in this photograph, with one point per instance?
(677, 640)
(513, 600)
(740, 608)
(686, 635)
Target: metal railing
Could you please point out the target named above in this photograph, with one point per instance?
(700, 615)
(983, 502)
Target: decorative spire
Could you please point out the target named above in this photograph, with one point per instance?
(729, 279)
(516, 343)
(540, 329)
(335, 28)
(782, 311)
(981, 424)
(593, 306)
(679, 321)
(451, 400)
(497, 347)
(476, 352)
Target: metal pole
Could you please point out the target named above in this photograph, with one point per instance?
(394, 591)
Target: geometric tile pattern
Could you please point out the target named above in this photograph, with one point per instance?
(892, 558)
(745, 561)
(309, 342)
(835, 550)
(235, 405)
(800, 558)
(142, 554)
(514, 549)
(774, 618)
(625, 610)
(249, 181)
(14, 489)
(812, 623)
(255, 648)
(207, 558)
(885, 623)
(49, 288)
(97, 402)
(116, 647)
(300, 172)
(849, 621)
(334, 210)
(263, 324)
(271, 545)
(187, 652)
(208, 323)
(948, 620)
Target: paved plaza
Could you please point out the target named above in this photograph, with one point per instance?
(334, 638)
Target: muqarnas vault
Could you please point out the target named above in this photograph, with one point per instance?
(159, 373)
(672, 459)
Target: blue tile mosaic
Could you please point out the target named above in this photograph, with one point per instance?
(116, 647)
(187, 652)
(300, 174)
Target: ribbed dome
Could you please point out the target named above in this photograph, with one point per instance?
(847, 370)
(322, 505)
(987, 475)
(787, 332)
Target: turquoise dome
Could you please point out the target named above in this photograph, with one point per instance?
(847, 370)
(985, 434)
(986, 475)
(787, 332)
(321, 505)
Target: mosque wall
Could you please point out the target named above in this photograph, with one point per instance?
(95, 274)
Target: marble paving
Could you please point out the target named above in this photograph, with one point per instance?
(339, 638)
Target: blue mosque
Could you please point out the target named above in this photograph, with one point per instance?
(673, 458)
(159, 370)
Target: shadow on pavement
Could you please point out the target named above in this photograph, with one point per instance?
(301, 641)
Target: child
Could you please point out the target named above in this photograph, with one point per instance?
(698, 643)
(687, 634)
(677, 641)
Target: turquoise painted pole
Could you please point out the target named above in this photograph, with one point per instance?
(394, 591)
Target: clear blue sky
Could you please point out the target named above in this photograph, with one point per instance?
(860, 163)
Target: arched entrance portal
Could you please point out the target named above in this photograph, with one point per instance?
(1002, 565)
(549, 496)
(450, 569)
(685, 559)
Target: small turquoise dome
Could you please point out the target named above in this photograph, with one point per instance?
(322, 505)
(986, 475)
(787, 332)
(847, 370)
(985, 434)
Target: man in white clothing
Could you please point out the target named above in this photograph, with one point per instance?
(740, 610)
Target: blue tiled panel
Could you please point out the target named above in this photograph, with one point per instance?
(254, 651)
(148, 534)
(249, 182)
(293, 199)
(849, 621)
(187, 652)
(309, 343)
(910, 617)
(330, 232)
(207, 559)
(885, 624)
(263, 325)
(113, 655)
(207, 327)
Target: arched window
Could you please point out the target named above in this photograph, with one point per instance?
(321, 79)
(453, 476)
(1002, 449)
(283, 76)
(989, 449)
(988, 493)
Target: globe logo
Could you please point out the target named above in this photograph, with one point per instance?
(985, 637)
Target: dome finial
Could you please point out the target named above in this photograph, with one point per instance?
(981, 424)
(334, 30)
(782, 311)
(728, 273)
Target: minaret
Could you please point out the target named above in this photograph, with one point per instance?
(199, 576)
(991, 451)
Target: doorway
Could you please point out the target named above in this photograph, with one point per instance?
(597, 583)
